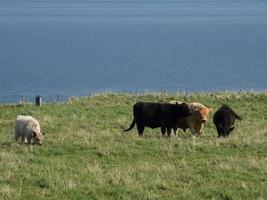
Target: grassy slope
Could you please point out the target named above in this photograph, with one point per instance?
(85, 155)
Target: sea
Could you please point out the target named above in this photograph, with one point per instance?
(62, 48)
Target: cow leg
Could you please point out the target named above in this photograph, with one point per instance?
(169, 131)
(192, 129)
(198, 128)
(16, 135)
(175, 131)
(218, 131)
(222, 134)
(140, 129)
(219, 134)
(163, 130)
(28, 140)
(23, 139)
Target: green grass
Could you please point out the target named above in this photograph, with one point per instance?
(85, 155)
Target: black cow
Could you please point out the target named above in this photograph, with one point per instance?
(154, 115)
(224, 119)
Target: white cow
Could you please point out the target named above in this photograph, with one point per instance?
(28, 129)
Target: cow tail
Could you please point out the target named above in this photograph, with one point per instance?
(238, 117)
(131, 126)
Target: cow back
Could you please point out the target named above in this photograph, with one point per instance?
(157, 114)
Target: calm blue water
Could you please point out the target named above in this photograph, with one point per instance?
(84, 47)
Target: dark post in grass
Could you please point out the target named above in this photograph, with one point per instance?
(22, 100)
(58, 96)
(38, 100)
(239, 91)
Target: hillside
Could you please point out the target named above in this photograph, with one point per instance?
(85, 155)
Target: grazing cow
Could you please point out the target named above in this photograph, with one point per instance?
(28, 129)
(224, 119)
(196, 120)
(154, 115)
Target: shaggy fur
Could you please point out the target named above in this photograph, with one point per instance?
(28, 129)
(196, 120)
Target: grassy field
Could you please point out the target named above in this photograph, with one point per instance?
(85, 155)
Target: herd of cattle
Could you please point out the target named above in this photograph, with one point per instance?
(171, 116)
(167, 116)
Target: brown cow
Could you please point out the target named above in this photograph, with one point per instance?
(196, 120)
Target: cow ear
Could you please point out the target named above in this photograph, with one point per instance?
(34, 134)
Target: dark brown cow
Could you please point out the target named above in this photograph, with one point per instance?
(154, 115)
(224, 119)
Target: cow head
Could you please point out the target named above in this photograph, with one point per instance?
(183, 109)
(224, 130)
(203, 113)
(37, 138)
